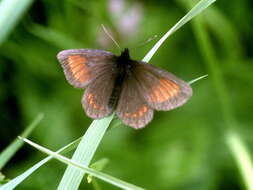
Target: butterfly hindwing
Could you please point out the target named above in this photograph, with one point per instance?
(131, 88)
(161, 89)
(81, 66)
(132, 108)
(97, 95)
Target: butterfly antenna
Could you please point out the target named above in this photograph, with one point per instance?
(147, 41)
(110, 36)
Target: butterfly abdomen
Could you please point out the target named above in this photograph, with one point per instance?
(117, 88)
(116, 83)
(114, 98)
(123, 70)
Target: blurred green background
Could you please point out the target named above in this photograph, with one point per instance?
(181, 149)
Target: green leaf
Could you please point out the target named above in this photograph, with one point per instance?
(107, 178)
(9, 151)
(202, 5)
(17, 180)
(84, 153)
(10, 13)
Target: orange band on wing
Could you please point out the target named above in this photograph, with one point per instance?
(91, 101)
(164, 91)
(139, 113)
(78, 68)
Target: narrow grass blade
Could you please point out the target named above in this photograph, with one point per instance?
(10, 13)
(8, 152)
(197, 79)
(84, 153)
(212, 63)
(233, 140)
(19, 179)
(202, 5)
(107, 178)
(242, 158)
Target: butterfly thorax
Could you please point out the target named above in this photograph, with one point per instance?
(124, 65)
(117, 83)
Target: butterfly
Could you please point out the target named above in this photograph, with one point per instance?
(133, 89)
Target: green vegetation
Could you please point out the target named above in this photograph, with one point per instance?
(206, 144)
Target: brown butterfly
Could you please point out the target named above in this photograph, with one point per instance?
(134, 89)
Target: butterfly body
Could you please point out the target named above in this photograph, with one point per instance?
(124, 69)
(132, 89)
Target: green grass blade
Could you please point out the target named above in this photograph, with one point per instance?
(84, 153)
(242, 158)
(72, 177)
(19, 179)
(8, 152)
(239, 150)
(212, 63)
(10, 13)
(197, 79)
(202, 5)
(107, 178)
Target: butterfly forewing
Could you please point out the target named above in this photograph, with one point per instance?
(161, 89)
(133, 89)
(132, 108)
(82, 66)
